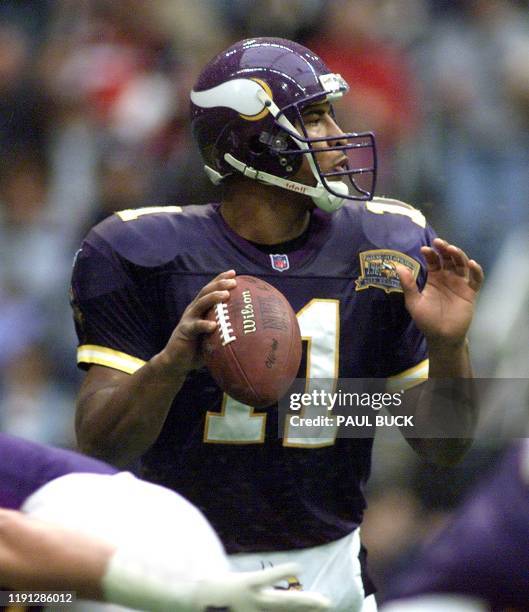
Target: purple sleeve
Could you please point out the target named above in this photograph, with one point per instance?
(26, 466)
(113, 308)
(402, 345)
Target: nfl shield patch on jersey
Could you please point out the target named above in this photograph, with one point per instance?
(279, 262)
(377, 269)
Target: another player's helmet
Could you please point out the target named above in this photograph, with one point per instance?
(244, 109)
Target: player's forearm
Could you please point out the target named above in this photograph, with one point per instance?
(447, 361)
(119, 422)
(38, 556)
(445, 407)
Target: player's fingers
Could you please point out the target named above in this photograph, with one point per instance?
(476, 275)
(292, 601)
(452, 257)
(459, 260)
(407, 281)
(217, 284)
(409, 287)
(201, 305)
(433, 261)
(271, 575)
(201, 326)
(196, 327)
(225, 274)
(440, 245)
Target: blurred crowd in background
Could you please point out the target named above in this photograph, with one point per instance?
(94, 119)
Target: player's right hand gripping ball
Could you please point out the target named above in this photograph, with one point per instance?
(255, 352)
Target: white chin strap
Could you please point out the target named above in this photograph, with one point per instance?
(320, 196)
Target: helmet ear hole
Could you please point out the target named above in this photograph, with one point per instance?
(255, 146)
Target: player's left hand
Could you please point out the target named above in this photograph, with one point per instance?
(131, 580)
(254, 592)
(443, 310)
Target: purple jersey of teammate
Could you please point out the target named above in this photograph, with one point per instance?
(138, 270)
(27, 466)
(483, 553)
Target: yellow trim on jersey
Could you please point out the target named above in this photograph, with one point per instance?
(131, 214)
(380, 206)
(409, 378)
(100, 355)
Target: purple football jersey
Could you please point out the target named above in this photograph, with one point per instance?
(26, 466)
(135, 274)
(484, 551)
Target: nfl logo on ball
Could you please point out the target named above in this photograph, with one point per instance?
(280, 262)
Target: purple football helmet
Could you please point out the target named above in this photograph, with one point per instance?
(246, 105)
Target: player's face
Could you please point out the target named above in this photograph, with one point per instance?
(319, 123)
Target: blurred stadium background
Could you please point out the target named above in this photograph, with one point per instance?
(94, 118)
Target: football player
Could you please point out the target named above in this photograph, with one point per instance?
(479, 561)
(376, 293)
(69, 522)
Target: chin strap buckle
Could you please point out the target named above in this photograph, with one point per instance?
(215, 177)
(242, 168)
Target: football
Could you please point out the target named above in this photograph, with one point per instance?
(255, 352)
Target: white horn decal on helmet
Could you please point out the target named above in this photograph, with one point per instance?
(240, 95)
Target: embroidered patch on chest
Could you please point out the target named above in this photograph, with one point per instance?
(378, 269)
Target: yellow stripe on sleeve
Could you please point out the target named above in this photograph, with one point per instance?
(100, 355)
(409, 378)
